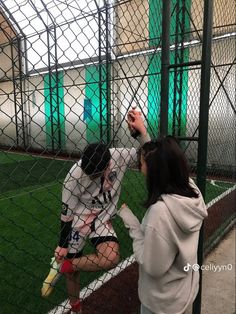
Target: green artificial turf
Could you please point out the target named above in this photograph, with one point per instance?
(29, 224)
(30, 202)
(35, 171)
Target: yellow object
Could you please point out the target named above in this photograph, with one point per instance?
(52, 278)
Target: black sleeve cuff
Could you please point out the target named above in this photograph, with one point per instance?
(65, 233)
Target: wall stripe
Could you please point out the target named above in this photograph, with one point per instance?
(176, 118)
(95, 110)
(54, 111)
(154, 64)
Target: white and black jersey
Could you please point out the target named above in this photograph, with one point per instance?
(89, 203)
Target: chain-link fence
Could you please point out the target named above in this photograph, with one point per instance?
(69, 73)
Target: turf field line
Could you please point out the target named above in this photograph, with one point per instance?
(97, 283)
(27, 192)
(35, 156)
(216, 199)
(214, 182)
(221, 181)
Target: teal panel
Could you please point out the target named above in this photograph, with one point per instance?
(54, 110)
(180, 12)
(155, 20)
(154, 67)
(97, 119)
(180, 114)
(154, 97)
(154, 78)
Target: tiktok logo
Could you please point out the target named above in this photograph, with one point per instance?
(187, 267)
(194, 267)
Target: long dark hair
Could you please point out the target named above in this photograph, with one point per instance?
(167, 169)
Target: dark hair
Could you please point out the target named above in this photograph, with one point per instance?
(95, 159)
(167, 170)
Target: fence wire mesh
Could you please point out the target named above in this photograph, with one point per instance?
(69, 73)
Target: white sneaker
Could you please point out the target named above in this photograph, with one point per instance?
(52, 278)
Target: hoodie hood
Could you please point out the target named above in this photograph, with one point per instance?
(188, 213)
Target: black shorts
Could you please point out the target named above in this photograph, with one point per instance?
(95, 242)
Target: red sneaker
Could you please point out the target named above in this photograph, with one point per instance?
(67, 267)
(75, 308)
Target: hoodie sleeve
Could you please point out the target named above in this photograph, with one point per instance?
(153, 252)
(157, 254)
(129, 156)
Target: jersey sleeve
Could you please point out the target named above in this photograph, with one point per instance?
(71, 192)
(65, 233)
(144, 139)
(70, 198)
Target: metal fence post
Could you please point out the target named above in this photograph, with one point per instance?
(165, 62)
(203, 125)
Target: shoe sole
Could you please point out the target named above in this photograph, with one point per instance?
(49, 284)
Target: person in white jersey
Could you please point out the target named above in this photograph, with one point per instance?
(90, 195)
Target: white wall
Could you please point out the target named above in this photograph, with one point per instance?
(36, 113)
(222, 118)
(221, 142)
(7, 115)
(75, 127)
(129, 74)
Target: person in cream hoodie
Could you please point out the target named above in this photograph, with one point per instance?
(167, 239)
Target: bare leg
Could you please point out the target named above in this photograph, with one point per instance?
(73, 286)
(106, 257)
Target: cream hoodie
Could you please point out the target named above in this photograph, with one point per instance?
(163, 244)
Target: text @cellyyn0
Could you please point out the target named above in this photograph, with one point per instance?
(208, 267)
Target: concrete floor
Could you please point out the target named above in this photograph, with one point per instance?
(218, 294)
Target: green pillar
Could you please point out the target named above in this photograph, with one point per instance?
(96, 103)
(154, 64)
(154, 78)
(54, 110)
